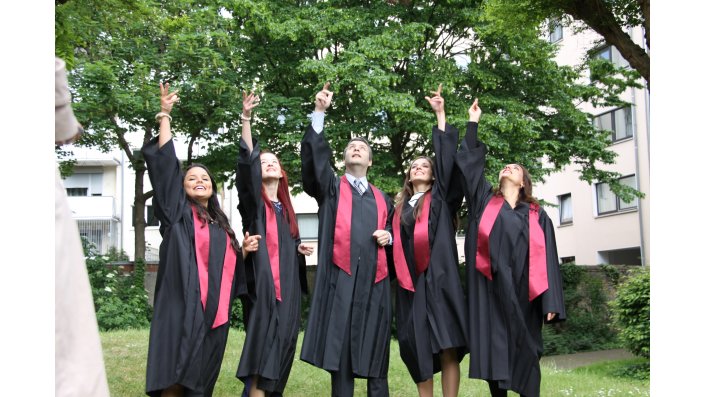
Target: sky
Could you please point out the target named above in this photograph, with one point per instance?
(677, 151)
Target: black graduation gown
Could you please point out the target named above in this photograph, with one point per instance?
(183, 348)
(434, 316)
(505, 328)
(341, 301)
(272, 326)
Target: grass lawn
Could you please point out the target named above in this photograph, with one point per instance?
(125, 354)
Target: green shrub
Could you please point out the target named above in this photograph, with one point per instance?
(588, 326)
(631, 312)
(121, 301)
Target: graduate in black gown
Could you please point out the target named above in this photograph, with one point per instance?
(198, 260)
(514, 282)
(431, 311)
(349, 325)
(274, 315)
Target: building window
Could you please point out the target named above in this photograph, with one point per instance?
(84, 184)
(76, 191)
(565, 203)
(610, 53)
(568, 259)
(556, 33)
(308, 226)
(149, 216)
(608, 202)
(618, 121)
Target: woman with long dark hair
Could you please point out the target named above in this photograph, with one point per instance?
(198, 260)
(430, 306)
(274, 315)
(513, 279)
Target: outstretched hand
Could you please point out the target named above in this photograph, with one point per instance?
(250, 243)
(323, 98)
(475, 112)
(305, 249)
(168, 99)
(437, 102)
(249, 102)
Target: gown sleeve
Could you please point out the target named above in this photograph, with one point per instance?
(470, 161)
(552, 300)
(316, 171)
(301, 260)
(166, 177)
(249, 182)
(445, 144)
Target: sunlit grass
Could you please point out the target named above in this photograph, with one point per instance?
(125, 354)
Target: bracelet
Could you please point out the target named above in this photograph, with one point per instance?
(159, 116)
(245, 118)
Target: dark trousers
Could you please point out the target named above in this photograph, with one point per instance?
(343, 380)
(496, 391)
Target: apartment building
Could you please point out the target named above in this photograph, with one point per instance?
(101, 197)
(593, 226)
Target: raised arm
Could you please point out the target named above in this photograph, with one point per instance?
(168, 99)
(163, 166)
(445, 143)
(316, 171)
(249, 176)
(249, 102)
(438, 105)
(470, 160)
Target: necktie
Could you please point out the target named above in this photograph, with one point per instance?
(360, 188)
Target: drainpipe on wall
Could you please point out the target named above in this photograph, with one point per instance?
(122, 200)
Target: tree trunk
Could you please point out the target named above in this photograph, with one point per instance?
(139, 211)
(596, 15)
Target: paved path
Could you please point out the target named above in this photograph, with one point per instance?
(570, 361)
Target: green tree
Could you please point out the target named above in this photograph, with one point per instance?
(608, 18)
(117, 72)
(381, 58)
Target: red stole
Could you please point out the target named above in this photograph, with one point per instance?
(422, 251)
(343, 220)
(538, 279)
(202, 240)
(273, 246)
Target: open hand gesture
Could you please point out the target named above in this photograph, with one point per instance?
(475, 112)
(437, 102)
(167, 99)
(249, 102)
(323, 98)
(305, 249)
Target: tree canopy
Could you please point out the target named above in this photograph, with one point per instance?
(381, 58)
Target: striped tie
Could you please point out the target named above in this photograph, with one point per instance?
(360, 188)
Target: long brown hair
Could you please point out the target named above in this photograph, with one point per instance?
(407, 189)
(213, 212)
(525, 193)
(284, 198)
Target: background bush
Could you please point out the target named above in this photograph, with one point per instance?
(588, 326)
(631, 310)
(121, 301)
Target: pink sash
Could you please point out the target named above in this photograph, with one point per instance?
(422, 251)
(202, 241)
(343, 220)
(538, 278)
(273, 247)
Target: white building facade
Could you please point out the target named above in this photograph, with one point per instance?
(593, 226)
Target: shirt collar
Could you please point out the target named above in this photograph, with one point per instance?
(351, 179)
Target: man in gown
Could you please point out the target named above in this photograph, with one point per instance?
(349, 326)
